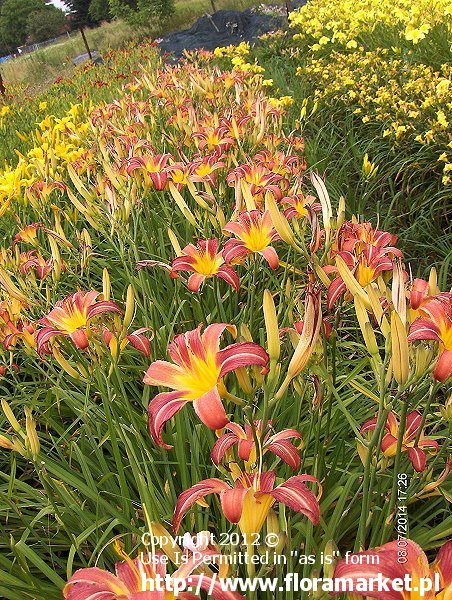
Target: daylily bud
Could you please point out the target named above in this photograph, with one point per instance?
(174, 243)
(340, 213)
(179, 200)
(330, 551)
(271, 326)
(433, 288)
(57, 262)
(423, 356)
(113, 346)
(307, 341)
(106, 285)
(325, 203)
(32, 436)
(362, 451)
(244, 380)
(64, 364)
(399, 349)
(273, 528)
(398, 291)
(7, 283)
(366, 328)
(377, 310)
(446, 411)
(10, 416)
(168, 543)
(130, 307)
(280, 223)
(6, 443)
(352, 285)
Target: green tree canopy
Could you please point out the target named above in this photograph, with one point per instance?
(14, 16)
(142, 13)
(80, 13)
(99, 10)
(45, 23)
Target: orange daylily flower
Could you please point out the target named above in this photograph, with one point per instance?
(385, 562)
(435, 323)
(195, 375)
(70, 317)
(277, 443)
(416, 455)
(204, 261)
(248, 502)
(254, 233)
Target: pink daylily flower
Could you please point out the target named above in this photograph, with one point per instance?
(278, 443)
(204, 261)
(127, 584)
(29, 261)
(418, 293)
(416, 455)
(385, 562)
(153, 168)
(249, 501)
(70, 317)
(299, 206)
(195, 374)
(254, 233)
(435, 323)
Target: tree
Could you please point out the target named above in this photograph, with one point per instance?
(13, 21)
(45, 23)
(79, 10)
(99, 10)
(150, 13)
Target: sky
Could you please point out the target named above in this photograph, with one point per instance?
(59, 3)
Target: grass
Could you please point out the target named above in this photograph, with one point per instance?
(39, 69)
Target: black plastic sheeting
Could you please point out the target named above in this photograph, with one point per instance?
(222, 28)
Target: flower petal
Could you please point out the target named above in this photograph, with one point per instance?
(195, 281)
(162, 372)
(223, 443)
(196, 492)
(210, 410)
(241, 355)
(286, 452)
(370, 563)
(232, 503)
(270, 256)
(443, 368)
(297, 496)
(227, 273)
(423, 329)
(161, 409)
(418, 458)
(94, 584)
(413, 422)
